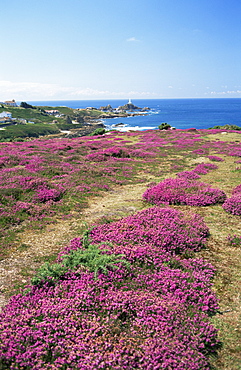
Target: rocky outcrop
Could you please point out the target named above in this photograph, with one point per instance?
(129, 106)
(108, 108)
(84, 131)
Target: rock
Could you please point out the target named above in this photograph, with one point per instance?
(192, 129)
(129, 107)
(145, 109)
(108, 108)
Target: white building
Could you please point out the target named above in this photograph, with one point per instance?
(5, 114)
(11, 103)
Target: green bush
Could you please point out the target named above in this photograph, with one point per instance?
(90, 257)
(98, 131)
(26, 105)
(226, 127)
(164, 126)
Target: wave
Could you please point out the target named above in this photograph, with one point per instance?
(126, 128)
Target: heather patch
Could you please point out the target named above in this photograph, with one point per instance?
(233, 204)
(189, 175)
(215, 158)
(204, 168)
(87, 324)
(153, 234)
(61, 331)
(236, 190)
(152, 315)
(183, 191)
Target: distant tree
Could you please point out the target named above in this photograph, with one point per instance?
(164, 126)
(68, 120)
(26, 105)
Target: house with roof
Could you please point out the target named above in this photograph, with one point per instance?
(5, 114)
(11, 103)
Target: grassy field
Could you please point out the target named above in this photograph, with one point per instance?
(67, 184)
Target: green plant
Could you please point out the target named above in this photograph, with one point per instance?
(26, 105)
(94, 259)
(164, 126)
(90, 256)
(98, 131)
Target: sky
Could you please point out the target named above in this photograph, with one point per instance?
(119, 49)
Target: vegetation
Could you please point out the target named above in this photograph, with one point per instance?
(142, 273)
(29, 130)
(99, 131)
(21, 126)
(90, 257)
(26, 105)
(164, 126)
(226, 127)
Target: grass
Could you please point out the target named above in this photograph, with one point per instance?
(226, 259)
(29, 130)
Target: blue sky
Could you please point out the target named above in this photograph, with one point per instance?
(97, 49)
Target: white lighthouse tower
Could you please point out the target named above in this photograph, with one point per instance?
(129, 102)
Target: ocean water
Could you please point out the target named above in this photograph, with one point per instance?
(179, 113)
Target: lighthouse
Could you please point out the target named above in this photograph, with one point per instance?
(129, 102)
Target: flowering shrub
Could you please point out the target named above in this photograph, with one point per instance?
(153, 233)
(92, 324)
(97, 157)
(189, 175)
(151, 316)
(44, 195)
(203, 168)
(233, 204)
(215, 158)
(236, 190)
(89, 315)
(183, 191)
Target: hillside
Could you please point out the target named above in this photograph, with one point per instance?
(29, 121)
(35, 121)
(53, 191)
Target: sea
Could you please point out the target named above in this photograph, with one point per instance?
(179, 113)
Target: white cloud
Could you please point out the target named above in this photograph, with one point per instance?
(133, 39)
(22, 91)
(19, 90)
(228, 92)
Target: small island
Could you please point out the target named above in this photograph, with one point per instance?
(128, 107)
